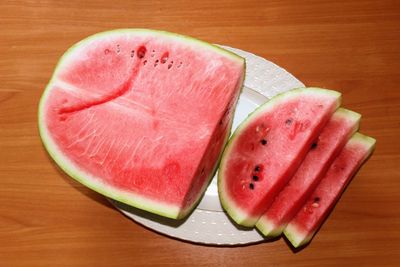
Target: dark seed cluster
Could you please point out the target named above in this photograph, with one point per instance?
(141, 54)
(255, 176)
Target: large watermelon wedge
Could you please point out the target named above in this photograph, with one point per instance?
(342, 125)
(267, 148)
(141, 116)
(304, 225)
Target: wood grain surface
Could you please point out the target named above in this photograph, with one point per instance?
(47, 219)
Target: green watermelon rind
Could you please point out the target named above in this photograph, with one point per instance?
(235, 212)
(267, 228)
(298, 238)
(265, 225)
(94, 183)
(348, 114)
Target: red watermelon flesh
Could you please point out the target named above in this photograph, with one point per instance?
(141, 116)
(303, 226)
(267, 148)
(333, 137)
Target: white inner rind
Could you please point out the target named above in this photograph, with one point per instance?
(295, 237)
(268, 228)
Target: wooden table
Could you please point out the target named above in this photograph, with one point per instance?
(46, 219)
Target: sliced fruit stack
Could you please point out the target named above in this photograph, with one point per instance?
(287, 164)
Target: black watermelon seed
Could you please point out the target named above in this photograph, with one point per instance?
(316, 199)
(288, 121)
(263, 142)
(251, 185)
(314, 145)
(255, 178)
(257, 168)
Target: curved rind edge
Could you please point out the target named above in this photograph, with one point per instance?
(93, 183)
(236, 213)
(166, 210)
(295, 237)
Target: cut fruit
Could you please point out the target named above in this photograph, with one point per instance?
(141, 116)
(302, 228)
(342, 125)
(267, 148)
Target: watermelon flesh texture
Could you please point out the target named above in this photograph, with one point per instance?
(142, 116)
(303, 226)
(267, 148)
(341, 126)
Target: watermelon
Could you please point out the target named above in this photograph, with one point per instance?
(141, 116)
(267, 148)
(342, 125)
(308, 220)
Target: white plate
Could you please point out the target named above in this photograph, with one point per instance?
(208, 224)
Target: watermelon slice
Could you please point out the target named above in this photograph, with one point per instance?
(302, 228)
(141, 116)
(342, 125)
(267, 148)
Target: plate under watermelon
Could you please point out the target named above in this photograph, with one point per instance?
(208, 224)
